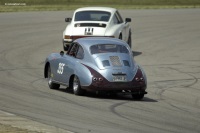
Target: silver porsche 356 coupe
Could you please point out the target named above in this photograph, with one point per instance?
(96, 22)
(96, 64)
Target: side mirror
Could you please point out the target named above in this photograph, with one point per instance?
(128, 20)
(68, 19)
(61, 53)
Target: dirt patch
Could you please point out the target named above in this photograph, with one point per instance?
(10, 129)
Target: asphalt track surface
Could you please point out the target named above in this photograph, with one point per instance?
(167, 45)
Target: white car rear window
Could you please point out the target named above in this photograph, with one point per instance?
(92, 16)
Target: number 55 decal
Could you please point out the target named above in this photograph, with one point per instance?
(60, 68)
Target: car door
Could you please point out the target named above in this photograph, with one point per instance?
(70, 61)
(60, 66)
(57, 66)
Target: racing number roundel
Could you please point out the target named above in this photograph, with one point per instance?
(60, 68)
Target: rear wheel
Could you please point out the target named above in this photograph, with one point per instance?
(50, 82)
(129, 40)
(120, 36)
(65, 47)
(77, 87)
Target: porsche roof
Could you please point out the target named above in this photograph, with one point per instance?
(108, 9)
(88, 41)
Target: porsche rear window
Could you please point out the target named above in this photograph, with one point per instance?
(92, 16)
(108, 48)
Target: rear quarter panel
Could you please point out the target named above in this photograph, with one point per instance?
(82, 72)
(74, 66)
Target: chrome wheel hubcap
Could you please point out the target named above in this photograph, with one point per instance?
(75, 84)
(49, 76)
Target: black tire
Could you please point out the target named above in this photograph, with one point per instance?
(77, 87)
(138, 96)
(50, 82)
(129, 40)
(120, 36)
(65, 47)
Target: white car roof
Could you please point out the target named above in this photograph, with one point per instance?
(108, 9)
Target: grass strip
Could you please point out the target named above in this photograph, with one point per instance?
(103, 2)
(20, 8)
(58, 5)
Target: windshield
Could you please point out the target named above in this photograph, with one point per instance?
(108, 48)
(92, 16)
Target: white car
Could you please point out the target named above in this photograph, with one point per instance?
(96, 22)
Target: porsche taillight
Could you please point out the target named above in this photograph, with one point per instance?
(68, 37)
